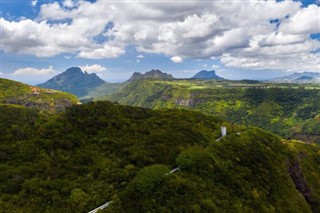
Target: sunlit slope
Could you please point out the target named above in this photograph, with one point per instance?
(286, 109)
(13, 92)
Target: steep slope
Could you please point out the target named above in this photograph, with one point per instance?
(204, 74)
(285, 110)
(12, 92)
(152, 74)
(99, 152)
(75, 81)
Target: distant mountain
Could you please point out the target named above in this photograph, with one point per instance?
(14, 93)
(152, 74)
(204, 74)
(303, 77)
(75, 81)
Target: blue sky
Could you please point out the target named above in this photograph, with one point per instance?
(240, 40)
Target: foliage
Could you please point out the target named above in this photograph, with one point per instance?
(285, 109)
(17, 93)
(93, 153)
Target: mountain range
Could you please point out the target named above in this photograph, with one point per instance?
(303, 77)
(169, 160)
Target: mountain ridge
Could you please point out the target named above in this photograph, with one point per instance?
(152, 74)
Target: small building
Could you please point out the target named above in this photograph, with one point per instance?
(223, 131)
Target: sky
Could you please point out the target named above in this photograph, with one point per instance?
(240, 39)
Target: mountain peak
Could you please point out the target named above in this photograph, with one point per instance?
(75, 81)
(152, 74)
(73, 70)
(204, 74)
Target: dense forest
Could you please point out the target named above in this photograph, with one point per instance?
(288, 110)
(79, 159)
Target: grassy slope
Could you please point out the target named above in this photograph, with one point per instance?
(93, 153)
(288, 110)
(21, 94)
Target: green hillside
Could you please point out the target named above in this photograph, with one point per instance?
(93, 153)
(287, 109)
(16, 93)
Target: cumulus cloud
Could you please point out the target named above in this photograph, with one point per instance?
(34, 71)
(305, 21)
(272, 34)
(176, 59)
(93, 68)
(140, 56)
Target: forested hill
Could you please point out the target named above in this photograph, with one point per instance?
(289, 110)
(93, 153)
(16, 93)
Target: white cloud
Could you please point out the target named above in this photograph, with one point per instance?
(68, 3)
(107, 51)
(93, 68)
(305, 21)
(140, 56)
(176, 59)
(180, 30)
(215, 66)
(34, 3)
(34, 71)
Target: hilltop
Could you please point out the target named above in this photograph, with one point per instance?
(98, 152)
(16, 93)
(74, 81)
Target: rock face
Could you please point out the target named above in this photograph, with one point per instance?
(75, 81)
(204, 74)
(301, 185)
(152, 74)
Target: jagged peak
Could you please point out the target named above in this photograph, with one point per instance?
(154, 73)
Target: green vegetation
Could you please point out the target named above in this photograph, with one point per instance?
(78, 160)
(16, 93)
(290, 110)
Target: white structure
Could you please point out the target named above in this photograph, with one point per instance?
(100, 207)
(223, 131)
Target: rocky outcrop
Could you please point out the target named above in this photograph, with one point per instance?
(301, 185)
(56, 106)
(185, 102)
